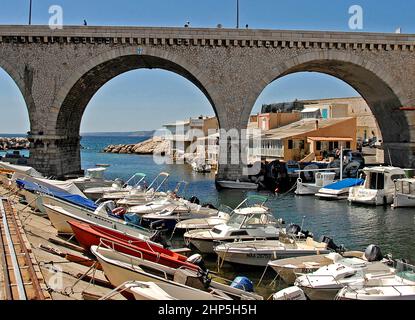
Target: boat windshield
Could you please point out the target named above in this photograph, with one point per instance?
(405, 270)
(251, 221)
(236, 220)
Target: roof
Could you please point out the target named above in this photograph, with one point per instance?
(329, 139)
(385, 169)
(301, 127)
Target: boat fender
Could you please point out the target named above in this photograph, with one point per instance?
(197, 259)
(373, 253)
(243, 283)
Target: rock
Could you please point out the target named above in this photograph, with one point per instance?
(154, 145)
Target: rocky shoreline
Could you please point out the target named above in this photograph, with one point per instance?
(13, 143)
(150, 146)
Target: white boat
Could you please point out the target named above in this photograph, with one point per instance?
(138, 192)
(120, 267)
(290, 293)
(324, 283)
(222, 217)
(249, 223)
(404, 195)
(60, 213)
(168, 290)
(322, 179)
(378, 188)
(338, 190)
(260, 252)
(229, 184)
(400, 286)
(201, 167)
(93, 178)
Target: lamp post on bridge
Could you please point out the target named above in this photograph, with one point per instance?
(30, 12)
(237, 14)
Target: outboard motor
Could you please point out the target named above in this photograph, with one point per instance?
(197, 260)
(195, 200)
(330, 243)
(373, 253)
(293, 229)
(243, 283)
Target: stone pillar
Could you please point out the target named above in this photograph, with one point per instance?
(399, 154)
(54, 155)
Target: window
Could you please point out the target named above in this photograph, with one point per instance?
(239, 233)
(318, 145)
(348, 145)
(336, 145)
(331, 145)
(290, 144)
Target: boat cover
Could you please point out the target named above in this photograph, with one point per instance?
(22, 169)
(60, 194)
(66, 186)
(345, 183)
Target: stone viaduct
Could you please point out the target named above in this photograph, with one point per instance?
(59, 71)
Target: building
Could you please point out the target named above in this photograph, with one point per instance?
(183, 134)
(268, 121)
(307, 138)
(328, 110)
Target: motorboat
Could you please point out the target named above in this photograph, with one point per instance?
(247, 223)
(117, 186)
(260, 252)
(229, 184)
(166, 290)
(103, 216)
(399, 286)
(201, 167)
(404, 195)
(290, 293)
(136, 199)
(324, 283)
(94, 178)
(222, 217)
(378, 188)
(339, 190)
(88, 235)
(120, 267)
(322, 179)
(288, 269)
(139, 192)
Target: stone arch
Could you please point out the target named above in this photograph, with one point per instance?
(373, 81)
(75, 95)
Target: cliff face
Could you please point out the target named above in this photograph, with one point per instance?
(13, 143)
(150, 146)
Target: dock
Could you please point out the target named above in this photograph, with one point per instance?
(38, 264)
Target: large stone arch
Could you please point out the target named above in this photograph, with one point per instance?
(74, 96)
(374, 82)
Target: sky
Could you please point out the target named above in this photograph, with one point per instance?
(130, 101)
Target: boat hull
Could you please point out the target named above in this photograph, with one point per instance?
(237, 185)
(320, 294)
(403, 200)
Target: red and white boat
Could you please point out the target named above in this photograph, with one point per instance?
(89, 235)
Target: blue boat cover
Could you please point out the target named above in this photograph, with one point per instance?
(345, 183)
(60, 194)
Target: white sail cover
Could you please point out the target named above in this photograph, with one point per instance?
(21, 169)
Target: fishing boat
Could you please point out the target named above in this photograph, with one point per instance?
(324, 283)
(404, 195)
(339, 190)
(378, 188)
(229, 184)
(322, 179)
(260, 252)
(88, 235)
(120, 267)
(247, 223)
(399, 286)
(287, 269)
(102, 216)
(139, 190)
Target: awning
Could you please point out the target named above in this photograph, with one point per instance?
(329, 139)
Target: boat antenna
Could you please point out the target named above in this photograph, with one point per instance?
(341, 163)
(390, 158)
(302, 223)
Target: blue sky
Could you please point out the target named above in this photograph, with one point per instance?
(130, 101)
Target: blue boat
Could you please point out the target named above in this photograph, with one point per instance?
(339, 190)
